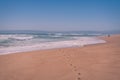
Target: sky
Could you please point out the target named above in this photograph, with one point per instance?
(60, 15)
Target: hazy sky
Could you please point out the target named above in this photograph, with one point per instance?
(60, 15)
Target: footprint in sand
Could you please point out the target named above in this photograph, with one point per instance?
(78, 73)
(78, 78)
(70, 64)
(73, 67)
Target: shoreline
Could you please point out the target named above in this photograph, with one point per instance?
(69, 44)
(92, 62)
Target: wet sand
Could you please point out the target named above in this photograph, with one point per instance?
(92, 62)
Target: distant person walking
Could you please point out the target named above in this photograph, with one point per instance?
(108, 35)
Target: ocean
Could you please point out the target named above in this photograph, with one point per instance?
(22, 41)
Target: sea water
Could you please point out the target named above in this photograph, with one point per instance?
(21, 41)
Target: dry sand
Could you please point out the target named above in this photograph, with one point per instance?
(93, 62)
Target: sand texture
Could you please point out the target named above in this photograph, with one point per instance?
(92, 62)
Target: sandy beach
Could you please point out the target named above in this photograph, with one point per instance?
(92, 62)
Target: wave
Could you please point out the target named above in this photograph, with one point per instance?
(20, 38)
(50, 45)
(16, 37)
(12, 43)
(75, 34)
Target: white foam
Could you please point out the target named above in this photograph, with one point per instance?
(18, 37)
(21, 37)
(50, 45)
